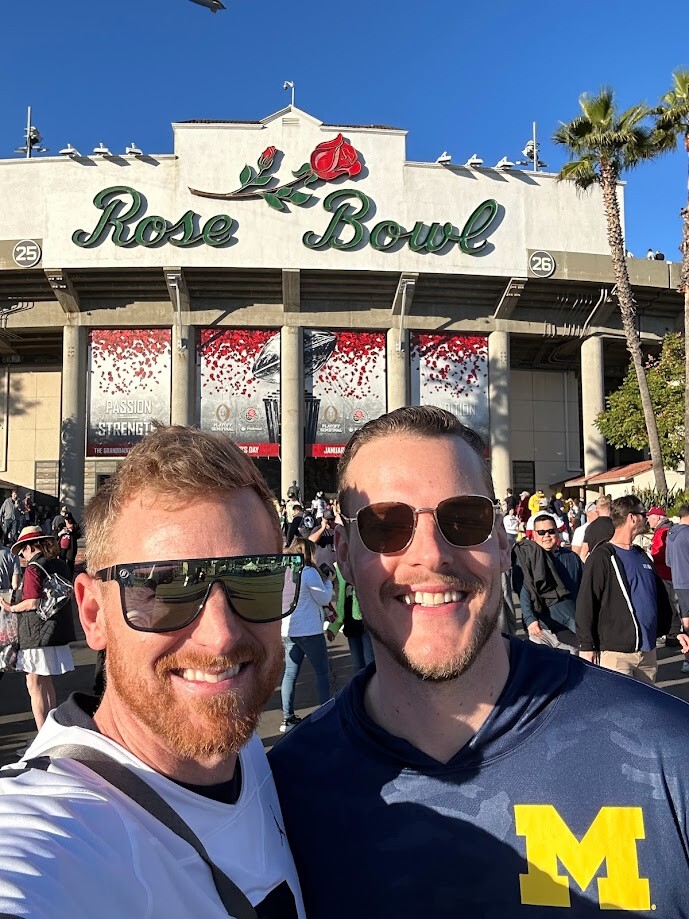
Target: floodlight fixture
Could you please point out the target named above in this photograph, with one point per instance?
(101, 150)
(133, 150)
(504, 164)
(474, 161)
(69, 150)
(444, 159)
(289, 84)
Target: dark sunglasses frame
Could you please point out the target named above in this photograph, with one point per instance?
(546, 532)
(423, 510)
(119, 573)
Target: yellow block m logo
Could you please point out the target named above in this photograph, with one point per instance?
(611, 838)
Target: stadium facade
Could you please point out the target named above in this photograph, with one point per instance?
(283, 281)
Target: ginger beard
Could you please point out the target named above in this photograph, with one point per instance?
(205, 726)
(451, 666)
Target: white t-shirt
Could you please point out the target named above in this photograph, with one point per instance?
(579, 535)
(73, 846)
(314, 594)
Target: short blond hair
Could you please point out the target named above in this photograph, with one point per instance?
(604, 501)
(177, 464)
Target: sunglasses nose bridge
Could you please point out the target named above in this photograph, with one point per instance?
(437, 529)
(218, 623)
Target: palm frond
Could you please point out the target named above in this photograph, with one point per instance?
(600, 109)
(582, 172)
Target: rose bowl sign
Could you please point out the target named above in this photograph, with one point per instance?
(124, 220)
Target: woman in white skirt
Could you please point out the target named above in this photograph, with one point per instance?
(43, 644)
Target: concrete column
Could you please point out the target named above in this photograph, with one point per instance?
(73, 421)
(499, 396)
(592, 403)
(183, 406)
(292, 408)
(397, 369)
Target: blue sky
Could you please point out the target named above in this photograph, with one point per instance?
(463, 77)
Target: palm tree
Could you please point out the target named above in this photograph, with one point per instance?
(603, 143)
(672, 122)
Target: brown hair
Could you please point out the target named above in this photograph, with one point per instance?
(179, 464)
(304, 547)
(622, 507)
(418, 421)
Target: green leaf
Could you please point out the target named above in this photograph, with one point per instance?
(246, 175)
(298, 197)
(312, 179)
(262, 180)
(302, 171)
(284, 193)
(273, 201)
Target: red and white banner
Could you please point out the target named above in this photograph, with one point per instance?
(451, 371)
(130, 376)
(344, 379)
(240, 387)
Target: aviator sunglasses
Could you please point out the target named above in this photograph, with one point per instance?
(388, 526)
(165, 596)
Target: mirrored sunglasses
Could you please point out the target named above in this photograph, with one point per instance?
(387, 527)
(164, 596)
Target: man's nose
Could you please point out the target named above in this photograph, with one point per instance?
(428, 546)
(217, 627)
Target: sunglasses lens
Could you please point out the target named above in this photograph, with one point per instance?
(165, 596)
(467, 520)
(386, 527)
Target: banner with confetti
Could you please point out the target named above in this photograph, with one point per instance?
(344, 379)
(240, 387)
(451, 371)
(130, 377)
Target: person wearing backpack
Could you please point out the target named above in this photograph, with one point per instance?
(43, 643)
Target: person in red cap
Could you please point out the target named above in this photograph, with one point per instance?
(43, 644)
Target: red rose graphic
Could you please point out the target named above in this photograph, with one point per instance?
(265, 160)
(335, 158)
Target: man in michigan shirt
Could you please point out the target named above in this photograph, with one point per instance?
(471, 775)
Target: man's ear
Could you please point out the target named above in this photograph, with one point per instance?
(342, 552)
(504, 546)
(91, 612)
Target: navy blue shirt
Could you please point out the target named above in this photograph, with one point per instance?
(639, 570)
(571, 795)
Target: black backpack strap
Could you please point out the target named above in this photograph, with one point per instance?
(128, 782)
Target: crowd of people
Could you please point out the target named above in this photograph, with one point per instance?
(465, 772)
(599, 584)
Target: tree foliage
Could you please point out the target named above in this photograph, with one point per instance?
(603, 142)
(622, 423)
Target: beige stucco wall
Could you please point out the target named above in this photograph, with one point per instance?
(33, 424)
(541, 430)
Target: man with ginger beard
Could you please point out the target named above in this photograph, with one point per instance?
(184, 587)
(471, 773)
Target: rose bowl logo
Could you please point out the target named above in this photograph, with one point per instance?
(330, 160)
(359, 416)
(250, 414)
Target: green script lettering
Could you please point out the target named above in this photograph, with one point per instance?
(385, 235)
(344, 215)
(129, 228)
(477, 225)
(108, 201)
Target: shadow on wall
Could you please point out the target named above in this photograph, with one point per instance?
(71, 450)
(17, 402)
